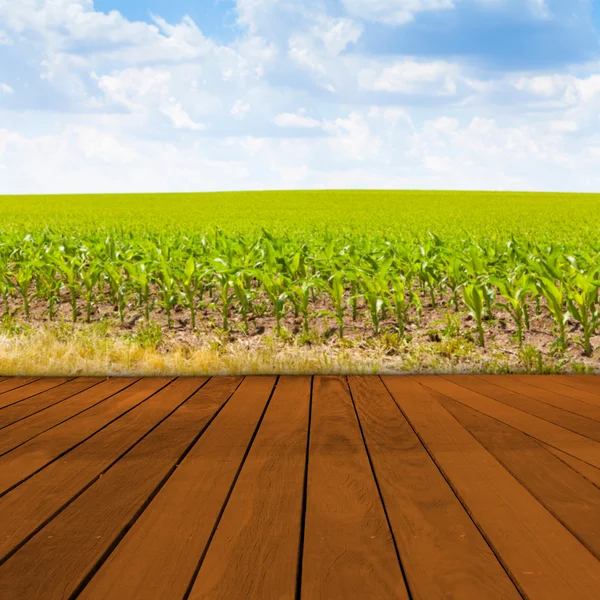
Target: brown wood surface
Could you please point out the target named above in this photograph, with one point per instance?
(430, 487)
(159, 555)
(592, 474)
(28, 458)
(532, 544)
(20, 432)
(573, 500)
(29, 505)
(443, 553)
(261, 526)
(574, 444)
(523, 388)
(26, 408)
(588, 383)
(29, 390)
(552, 383)
(563, 418)
(11, 383)
(73, 542)
(348, 547)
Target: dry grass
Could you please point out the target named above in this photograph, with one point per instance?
(97, 349)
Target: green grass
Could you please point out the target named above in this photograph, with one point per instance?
(399, 213)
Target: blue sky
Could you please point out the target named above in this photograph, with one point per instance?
(156, 95)
(216, 18)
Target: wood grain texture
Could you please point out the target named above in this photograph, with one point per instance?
(553, 384)
(592, 474)
(348, 548)
(29, 390)
(563, 418)
(543, 558)
(22, 431)
(158, 556)
(574, 444)
(28, 458)
(545, 396)
(573, 500)
(73, 542)
(463, 487)
(11, 383)
(43, 401)
(28, 506)
(587, 383)
(443, 553)
(254, 552)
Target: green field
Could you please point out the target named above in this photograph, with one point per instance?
(561, 217)
(486, 281)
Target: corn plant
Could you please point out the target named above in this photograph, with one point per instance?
(300, 292)
(243, 295)
(140, 280)
(275, 287)
(473, 295)
(555, 297)
(515, 293)
(582, 300)
(115, 275)
(168, 289)
(90, 277)
(189, 288)
(335, 288)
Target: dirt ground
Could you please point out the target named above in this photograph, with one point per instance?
(441, 340)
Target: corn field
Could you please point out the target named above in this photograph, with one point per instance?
(344, 278)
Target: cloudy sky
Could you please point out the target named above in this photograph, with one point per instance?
(198, 95)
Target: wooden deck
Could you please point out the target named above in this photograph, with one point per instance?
(430, 488)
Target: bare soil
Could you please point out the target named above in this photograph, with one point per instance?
(440, 335)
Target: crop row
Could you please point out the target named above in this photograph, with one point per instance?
(384, 277)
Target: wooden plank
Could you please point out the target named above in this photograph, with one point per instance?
(31, 389)
(508, 383)
(552, 383)
(542, 557)
(573, 500)
(255, 550)
(19, 433)
(443, 553)
(587, 383)
(30, 505)
(567, 420)
(348, 547)
(12, 383)
(45, 400)
(56, 561)
(35, 454)
(158, 556)
(572, 443)
(592, 474)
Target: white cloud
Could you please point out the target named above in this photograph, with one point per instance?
(563, 126)
(409, 76)
(121, 106)
(391, 116)
(180, 118)
(393, 12)
(352, 138)
(5, 88)
(539, 8)
(336, 34)
(291, 120)
(240, 109)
